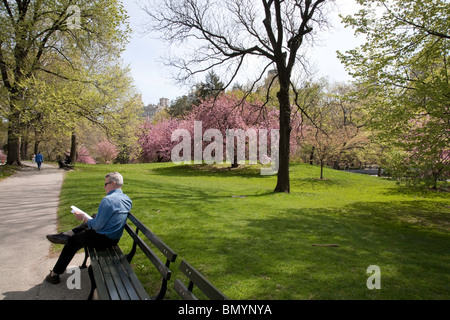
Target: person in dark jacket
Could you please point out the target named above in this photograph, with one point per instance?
(39, 159)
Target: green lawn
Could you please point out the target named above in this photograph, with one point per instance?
(255, 244)
(6, 171)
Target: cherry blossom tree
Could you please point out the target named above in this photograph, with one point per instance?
(420, 156)
(106, 151)
(84, 156)
(213, 120)
(155, 140)
(232, 34)
(2, 157)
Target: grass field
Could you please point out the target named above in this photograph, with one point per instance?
(255, 244)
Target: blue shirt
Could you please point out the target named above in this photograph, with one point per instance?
(39, 158)
(112, 214)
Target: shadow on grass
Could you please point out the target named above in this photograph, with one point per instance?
(274, 258)
(419, 191)
(315, 183)
(202, 170)
(263, 249)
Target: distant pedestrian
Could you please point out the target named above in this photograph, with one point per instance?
(33, 159)
(39, 159)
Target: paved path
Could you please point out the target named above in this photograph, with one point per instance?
(28, 212)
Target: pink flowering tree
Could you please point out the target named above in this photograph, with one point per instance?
(213, 120)
(2, 157)
(83, 156)
(425, 152)
(222, 121)
(106, 151)
(155, 141)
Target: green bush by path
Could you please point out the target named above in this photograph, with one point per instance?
(255, 244)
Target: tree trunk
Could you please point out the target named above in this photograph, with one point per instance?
(24, 142)
(322, 164)
(283, 183)
(36, 146)
(14, 138)
(311, 156)
(435, 181)
(13, 148)
(73, 148)
(235, 163)
(37, 140)
(24, 148)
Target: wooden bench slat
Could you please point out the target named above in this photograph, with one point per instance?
(160, 266)
(118, 280)
(134, 281)
(112, 292)
(102, 291)
(183, 291)
(197, 279)
(118, 264)
(157, 242)
(111, 272)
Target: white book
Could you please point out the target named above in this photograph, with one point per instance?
(79, 210)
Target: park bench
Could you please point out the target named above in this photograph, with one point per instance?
(112, 275)
(64, 165)
(198, 280)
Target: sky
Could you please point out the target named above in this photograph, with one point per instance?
(152, 79)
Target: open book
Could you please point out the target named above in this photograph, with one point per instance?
(79, 210)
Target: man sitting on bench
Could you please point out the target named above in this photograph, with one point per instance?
(65, 163)
(102, 231)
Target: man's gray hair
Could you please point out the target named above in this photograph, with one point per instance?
(116, 177)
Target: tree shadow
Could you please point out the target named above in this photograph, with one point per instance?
(202, 170)
(410, 249)
(48, 291)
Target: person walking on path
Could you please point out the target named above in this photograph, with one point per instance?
(39, 159)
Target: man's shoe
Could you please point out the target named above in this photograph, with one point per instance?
(59, 238)
(52, 279)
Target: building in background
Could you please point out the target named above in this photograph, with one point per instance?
(150, 110)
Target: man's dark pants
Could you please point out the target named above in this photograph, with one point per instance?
(84, 237)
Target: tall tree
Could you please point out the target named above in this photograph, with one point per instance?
(98, 92)
(33, 30)
(232, 33)
(211, 87)
(335, 128)
(404, 70)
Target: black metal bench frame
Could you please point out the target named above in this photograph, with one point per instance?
(198, 280)
(69, 166)
(112, 275)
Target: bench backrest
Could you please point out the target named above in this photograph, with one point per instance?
(170, 255)
(195, 278)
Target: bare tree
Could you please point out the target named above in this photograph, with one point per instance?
(236, 35)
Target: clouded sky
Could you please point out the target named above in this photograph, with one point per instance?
(153, 79)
